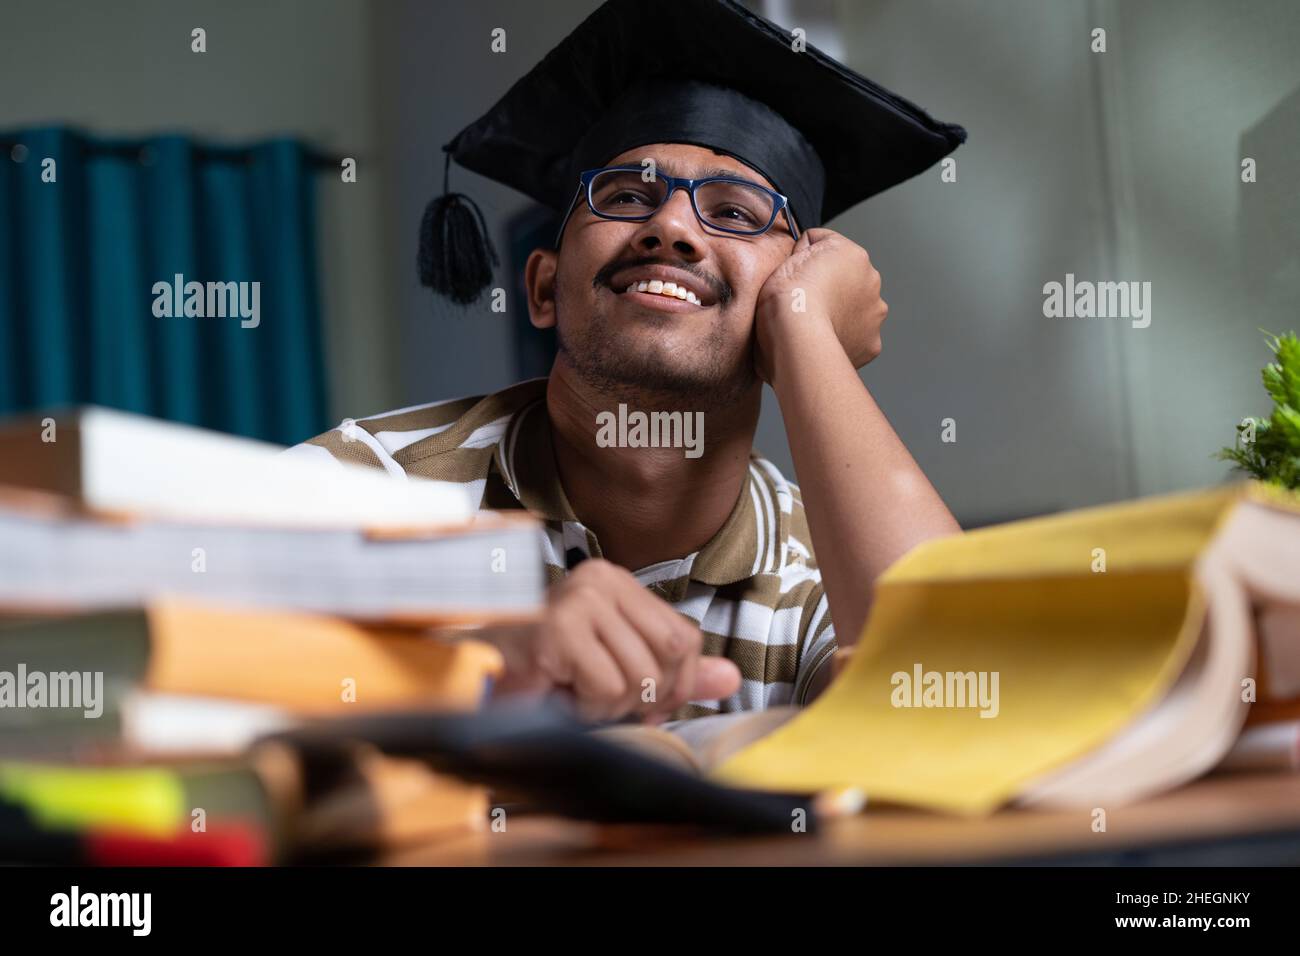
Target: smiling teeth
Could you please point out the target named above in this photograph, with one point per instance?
(659, 287)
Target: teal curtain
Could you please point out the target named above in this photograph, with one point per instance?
(80, 257)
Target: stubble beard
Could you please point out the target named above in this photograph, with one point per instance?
(707, 380)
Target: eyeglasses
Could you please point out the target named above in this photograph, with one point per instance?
(725, 203)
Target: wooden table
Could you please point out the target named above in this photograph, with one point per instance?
(1238, 819)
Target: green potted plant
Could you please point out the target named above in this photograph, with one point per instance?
(1269, 448)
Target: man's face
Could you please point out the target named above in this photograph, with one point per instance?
(618, 340)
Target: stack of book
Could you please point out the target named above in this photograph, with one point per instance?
(213, 653)
(170, 596)
(1082, 660)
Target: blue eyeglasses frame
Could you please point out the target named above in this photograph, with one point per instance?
(779, 204)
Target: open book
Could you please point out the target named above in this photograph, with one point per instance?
(702, 743)
(1081, 659)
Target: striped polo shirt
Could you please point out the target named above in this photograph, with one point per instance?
(754, 588)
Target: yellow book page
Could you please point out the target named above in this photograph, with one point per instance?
(1153, 533)
(1077, 654)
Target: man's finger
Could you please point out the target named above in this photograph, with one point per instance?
(672, 638)
(715, 678)
(598, 681)
(635, 658)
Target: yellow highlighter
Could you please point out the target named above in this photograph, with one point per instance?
(141, 800)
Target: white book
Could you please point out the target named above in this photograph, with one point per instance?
(56, 559)
(118, 463)
(184, 723)
(1266, 747)
(101, 509)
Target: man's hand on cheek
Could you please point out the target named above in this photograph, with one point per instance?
(827, 280)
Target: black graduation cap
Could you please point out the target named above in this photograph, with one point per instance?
(705, 72)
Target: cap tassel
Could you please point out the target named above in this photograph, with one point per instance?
(456, 256)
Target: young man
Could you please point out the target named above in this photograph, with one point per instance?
(693, 153)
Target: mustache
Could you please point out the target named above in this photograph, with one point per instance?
(721, 290)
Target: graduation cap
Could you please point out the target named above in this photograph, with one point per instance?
(703, 72)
